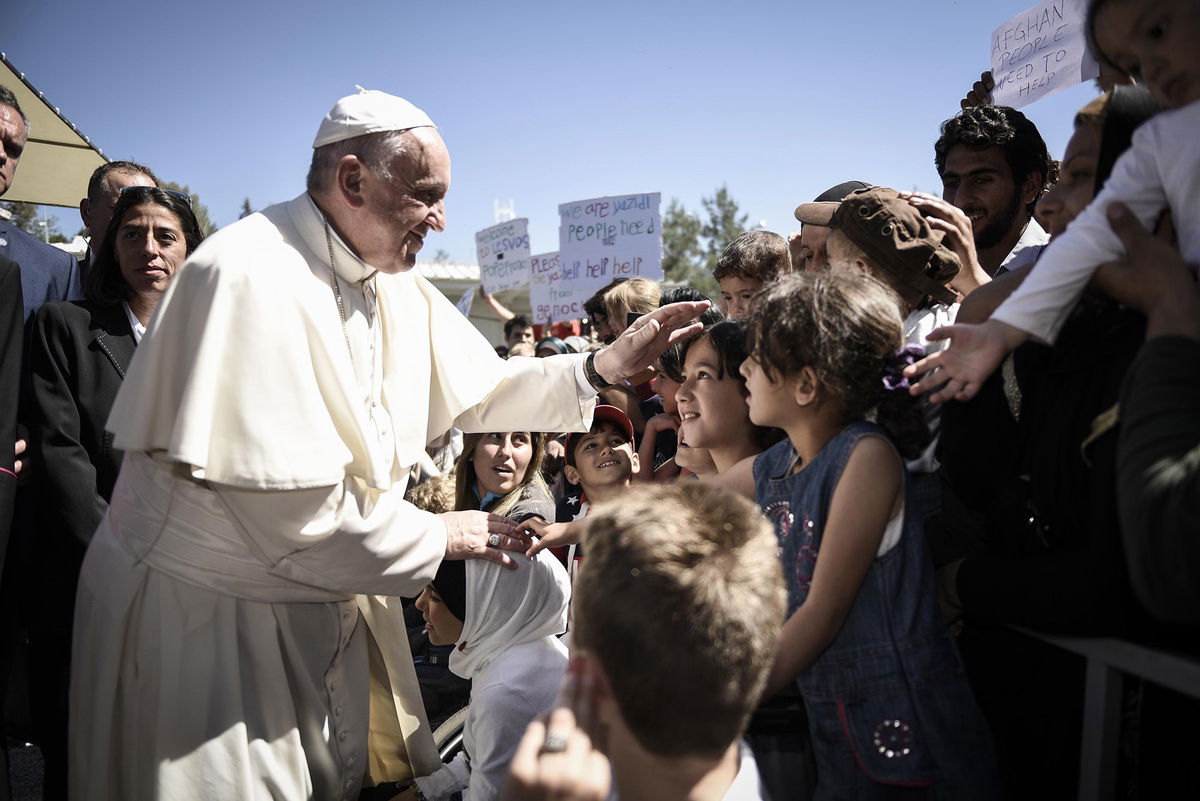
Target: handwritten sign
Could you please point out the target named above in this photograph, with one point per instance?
(1040, 51)
(549, 298)
(503, 252)
(464, 303)
(610, 237)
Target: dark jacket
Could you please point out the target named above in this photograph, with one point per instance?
(11, 315)
(47, 273)
(79, 355)
(1159, 477)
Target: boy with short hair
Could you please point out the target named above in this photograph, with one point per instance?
(747, 264)
(677, 615)
(602, 460)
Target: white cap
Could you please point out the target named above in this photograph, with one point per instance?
(369, 111)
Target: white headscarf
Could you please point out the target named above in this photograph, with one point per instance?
(508, 607)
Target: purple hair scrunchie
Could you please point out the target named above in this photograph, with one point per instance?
(893, 368)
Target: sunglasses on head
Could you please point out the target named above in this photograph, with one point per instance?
(145, 190)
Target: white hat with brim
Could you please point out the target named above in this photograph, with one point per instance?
(370, 111)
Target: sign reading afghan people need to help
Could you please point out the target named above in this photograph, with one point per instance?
(1041, 51)
(605, 238)
(503, 252)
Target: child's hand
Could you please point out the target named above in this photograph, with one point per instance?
(552, 534)
(975, 352)
(557, 758)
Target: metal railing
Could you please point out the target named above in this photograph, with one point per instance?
(1109, 661)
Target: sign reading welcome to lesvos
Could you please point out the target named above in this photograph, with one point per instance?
(503, 252)
(1040, 51)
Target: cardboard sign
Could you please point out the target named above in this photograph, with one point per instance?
(1040, 51)
(604, 238)
(549, 299)
(503, 252)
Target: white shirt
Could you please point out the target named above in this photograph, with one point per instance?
(1160, 170)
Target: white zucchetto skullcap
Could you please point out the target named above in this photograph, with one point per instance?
(370, 111)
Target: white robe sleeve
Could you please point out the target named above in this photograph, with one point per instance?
(328, 537)
(1041, 304)
(550, 394)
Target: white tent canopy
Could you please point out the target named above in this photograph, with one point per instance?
(58, 159)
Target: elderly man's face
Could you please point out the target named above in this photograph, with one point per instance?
(397, 214)
(12, 143)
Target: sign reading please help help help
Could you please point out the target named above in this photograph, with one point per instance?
(503, 252)
(1040, 51)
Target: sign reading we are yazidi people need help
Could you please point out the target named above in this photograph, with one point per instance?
(605, 238)
(1040, 51)
(503, 252)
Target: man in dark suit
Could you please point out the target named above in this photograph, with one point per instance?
(47, 273)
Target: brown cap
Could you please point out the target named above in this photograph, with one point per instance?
(894, 234)
(821, 209)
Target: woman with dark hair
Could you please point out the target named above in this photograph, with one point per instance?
(79, 354)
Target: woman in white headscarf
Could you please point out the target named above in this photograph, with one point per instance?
(505, 623)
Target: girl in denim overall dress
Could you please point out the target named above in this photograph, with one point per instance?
(890, 712)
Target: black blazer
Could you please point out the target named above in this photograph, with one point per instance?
(78, 357)
(11, 318)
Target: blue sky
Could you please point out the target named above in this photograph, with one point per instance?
(542, 103)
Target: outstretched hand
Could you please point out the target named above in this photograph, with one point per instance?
(644, 341)
(552, 535)
(975, 352)
(482, 535)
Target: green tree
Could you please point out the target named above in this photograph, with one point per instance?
(441, 257)
(682, 254)
(198, 208)
(246, 209)
(725, 222)
(25, 216)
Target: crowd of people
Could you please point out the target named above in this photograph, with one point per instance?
(275, 511)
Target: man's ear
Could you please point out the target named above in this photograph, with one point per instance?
(571, 473)
(85, 213)
(350, 179)
(1031, 188)
(602, 694)
(805, 387)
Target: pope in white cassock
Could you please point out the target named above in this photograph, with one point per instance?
(236, 630)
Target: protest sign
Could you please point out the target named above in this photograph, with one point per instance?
(503, 252)
(464, 303)
(1040, 51)
(604, 238)
(551, 300)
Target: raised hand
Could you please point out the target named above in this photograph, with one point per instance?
(645, 340)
